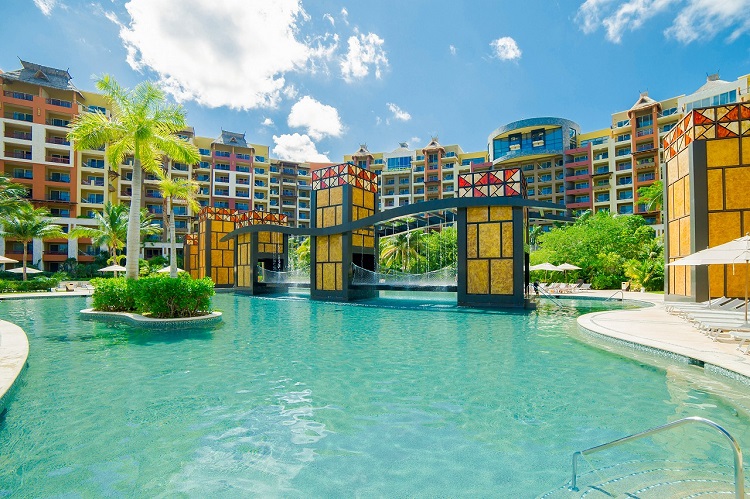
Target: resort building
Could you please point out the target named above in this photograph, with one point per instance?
(599, 170)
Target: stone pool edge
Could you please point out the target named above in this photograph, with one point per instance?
(139, 320)
(711, 360)
(14, 354)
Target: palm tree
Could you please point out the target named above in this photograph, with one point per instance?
(10, 196)
(173, 189)
(111, 231)
(400, 249)
(141, 125)
(28, 224)
(652, 196)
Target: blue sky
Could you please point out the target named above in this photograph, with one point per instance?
(313, 80)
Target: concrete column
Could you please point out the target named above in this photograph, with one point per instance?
(73, 248)
(37, 247)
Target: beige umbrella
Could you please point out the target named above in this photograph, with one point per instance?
(29, 270)
(113, 268)
(545, 266)
(5, 259)
(734, 252)
(167, 270)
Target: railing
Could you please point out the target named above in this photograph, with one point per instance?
(56, 140)
(621, 293)
(547, 294)
(18, 95)
(739, 475)
(18, 135)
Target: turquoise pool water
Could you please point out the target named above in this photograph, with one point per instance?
(294, 398)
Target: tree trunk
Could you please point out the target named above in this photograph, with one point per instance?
(25, 253)
(134, 223)
(172, 243)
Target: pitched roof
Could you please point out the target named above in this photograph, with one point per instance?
(362, 152)
(231, 139)
(44, 76)
(434, 144)
(644, 101)
(711, 82)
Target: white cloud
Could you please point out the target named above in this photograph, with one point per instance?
(267, 122)
(46, 6)
(202, 51)
(705, 18)
(329, 18)
(398, 113)
(414, 142)
(364, 51)
(506, 49)
(319, 119)
(378, 120)
(289, 91)
(345, 15)
(693, 18)
(453, 49)
(296, 147)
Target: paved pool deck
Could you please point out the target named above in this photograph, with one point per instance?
(653, 329)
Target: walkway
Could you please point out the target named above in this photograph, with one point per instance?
(654, 328)
(14, 350)
(45, 294)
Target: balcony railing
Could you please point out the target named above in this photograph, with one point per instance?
(59, 159)
(59, 102)
(18, 135)
(20, 116)
(18, 154)
(18, 95)
(57, 140)
(58, 122)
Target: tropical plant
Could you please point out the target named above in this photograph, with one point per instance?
(112, 229)
(174, 189)
(27, 224)
(300, 253)
(401, 251)
(11, 196)
(652, 195)
(142, 125)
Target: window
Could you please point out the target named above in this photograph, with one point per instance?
(514, 142)
(221, 204)
(537, 137)
(222, 154)
(241, 206)
(204, 152)
(432, 158)
(221, 166)
(97, 109)
(642, 121)
(400, 162)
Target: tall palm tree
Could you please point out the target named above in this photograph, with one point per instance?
(28, 224)
(11, 196)
(141, 125)
(111, 230)
(400, 249)
(173, 189)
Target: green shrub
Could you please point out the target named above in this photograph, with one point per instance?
(114, 294)
(35, 284)
(165, 297)
(160, 296)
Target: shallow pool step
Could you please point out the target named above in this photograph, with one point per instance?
(651, 480)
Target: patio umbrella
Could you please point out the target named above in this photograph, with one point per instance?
(29, 270)
(731, 253)
(4, 259)
(565, 267)
(545, 267)
(113, 268)
(167, 270)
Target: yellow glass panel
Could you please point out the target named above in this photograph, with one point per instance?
(369, 200)
(489, 240)
(322, 199)
(685, 236)
(746, 149)
(339, 277)
(329, 276)
(336, 195)
(507, 239)
(329, 217)
(715, 190)
(334, 248)
(322, 249)
(319, 276)
(471, 240)
(737, 184)
(498, 213)
(723, 227)
(683, 163)
(477, 277)
(502, 277)
(722, 152)
(357, 196)
(476, 214)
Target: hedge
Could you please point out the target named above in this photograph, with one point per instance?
(158, 296)
(35, 284)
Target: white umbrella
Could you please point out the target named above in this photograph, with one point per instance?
(167, 270)
(113, 268)
(733, 252)
(29, 270)
(568, 266)
(4, 259)
(545, 266)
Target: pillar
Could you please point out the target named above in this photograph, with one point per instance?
(263, 249)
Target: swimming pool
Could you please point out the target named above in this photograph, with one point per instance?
(294, 398)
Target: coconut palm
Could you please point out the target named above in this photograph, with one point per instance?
(27, 224)
(142, 125)
(11, 196)
(400, 250)
(111, 230)
(173, 189)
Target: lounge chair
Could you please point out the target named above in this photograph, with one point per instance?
(584, 287)
(69, 286)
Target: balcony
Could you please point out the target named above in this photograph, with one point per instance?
(16, 134)
(18, 95)
(18, 154)
(94, 199)
(602, 187)
(60, 141)
(99, 165)
(182, 167)
(58, 122)
(59, 103)
(602, 171)
(20, 116)
(644, 132)
(59, 177)
(59, 196)
(65, 160)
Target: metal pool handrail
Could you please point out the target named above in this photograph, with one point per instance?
(739, 474)
(547, 294)
(622, 293)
